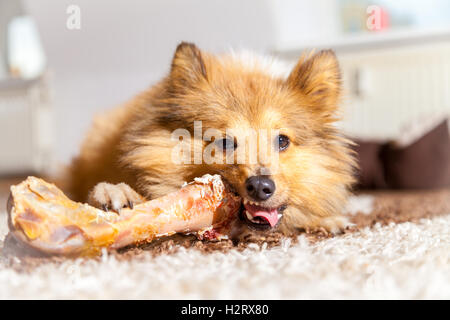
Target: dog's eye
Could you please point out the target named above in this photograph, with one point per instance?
(283, 142)
(226, 144)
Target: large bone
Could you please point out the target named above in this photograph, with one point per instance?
(41, 216)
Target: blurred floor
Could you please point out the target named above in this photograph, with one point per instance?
(5, 184)
(388, 260)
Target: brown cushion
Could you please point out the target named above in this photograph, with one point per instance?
(423, 164)
(370, 174)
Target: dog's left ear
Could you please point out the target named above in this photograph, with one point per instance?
(188, 66)
(318, 76)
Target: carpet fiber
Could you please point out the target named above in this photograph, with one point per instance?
(400, 249)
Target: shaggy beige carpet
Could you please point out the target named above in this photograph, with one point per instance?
(384, 258)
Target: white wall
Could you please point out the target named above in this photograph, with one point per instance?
(298, 23)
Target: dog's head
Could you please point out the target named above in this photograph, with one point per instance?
(306, 167)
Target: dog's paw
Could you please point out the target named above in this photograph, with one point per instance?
(335, 224)
(114, 197)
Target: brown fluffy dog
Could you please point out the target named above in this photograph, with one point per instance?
(129, 150)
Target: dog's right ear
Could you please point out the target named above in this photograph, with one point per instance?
(188, 67)
(318, 76)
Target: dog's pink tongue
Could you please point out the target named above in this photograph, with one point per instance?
(270, 215)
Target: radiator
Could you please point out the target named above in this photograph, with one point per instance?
(385, 89)
(26, 139)
(389, 88)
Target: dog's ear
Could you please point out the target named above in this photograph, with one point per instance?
(188, 67)
(318, 76)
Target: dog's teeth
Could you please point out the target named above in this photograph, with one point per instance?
(249, 217)
(279, 216)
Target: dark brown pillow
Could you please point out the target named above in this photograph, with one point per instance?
(370, 174)
(423, 164)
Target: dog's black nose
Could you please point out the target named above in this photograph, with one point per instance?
(260, 188)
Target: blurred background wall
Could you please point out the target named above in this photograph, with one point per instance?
(124, 46)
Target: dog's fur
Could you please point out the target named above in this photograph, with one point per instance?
(132, 144)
